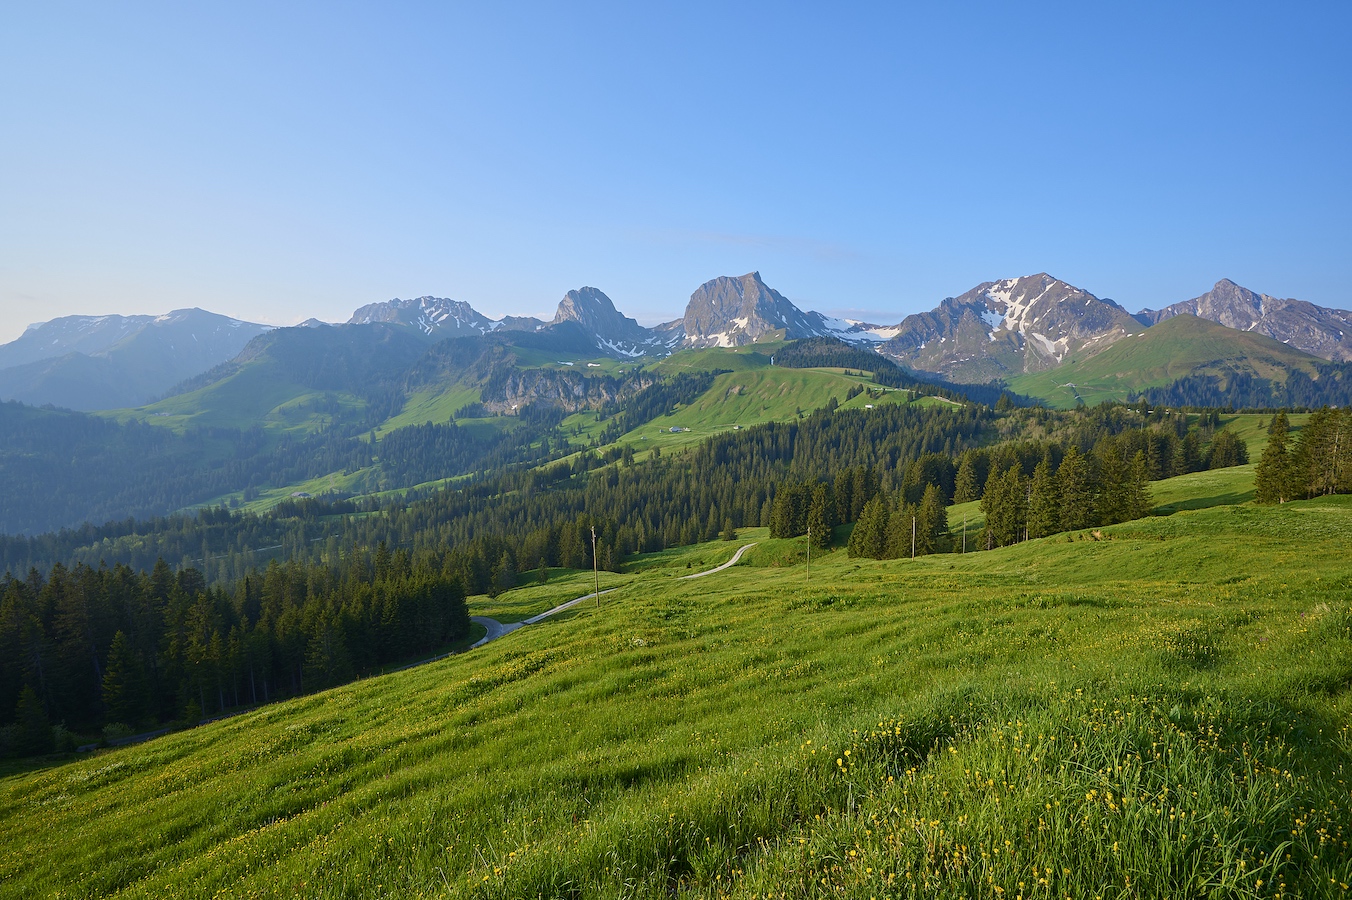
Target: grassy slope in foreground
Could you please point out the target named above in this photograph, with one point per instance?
(1162, 713)
(1183, 345)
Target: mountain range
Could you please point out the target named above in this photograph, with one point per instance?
(1317, 330)
(1004, 330)
(109, 362)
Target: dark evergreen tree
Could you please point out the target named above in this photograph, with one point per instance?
(1137, 500)
(869, 538)
(1044, 501)
(821, 516)
(1005, 504)
(1321, 462)
(1226, 450)
(35, 729)
(965, 488)
(1273, 477)
(901, 526)
(124, 683)
(1075, 484)
(932, 527)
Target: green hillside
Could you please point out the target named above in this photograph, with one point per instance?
(1183, 345)
(257, 394)
(753, 396)
(1138, 715)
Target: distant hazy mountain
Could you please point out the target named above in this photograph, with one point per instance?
(108, 362)
(999, 329)
(433, 316)
(1315, 329)
(69, 334)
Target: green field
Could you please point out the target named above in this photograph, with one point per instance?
(1162, 711)
(755, 396)
(1183, 345)
(255, 395)
(438, 406)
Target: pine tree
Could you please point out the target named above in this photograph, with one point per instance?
(1138, 503)
(124, 683)
(965, 488)
(1044, 503)
(1005, 504)
(506, 573)
(900, 523)
(932, 529)
(35, 730)
(1112, 504)
(820, 516)
(869, 538)
(1075, 486)
(1273, 474)
(1226, 450)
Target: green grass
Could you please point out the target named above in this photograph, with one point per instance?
(438, 406)
(1176, 347)
(1161, 713)
(754, 396)
(736, 359)
(253, 395)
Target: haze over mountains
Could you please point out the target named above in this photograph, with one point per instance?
(108, 362)
(998, 330)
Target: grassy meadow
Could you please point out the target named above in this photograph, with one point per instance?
(1161, 709)
(1180, 346)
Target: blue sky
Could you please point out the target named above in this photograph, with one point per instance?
(280, 161)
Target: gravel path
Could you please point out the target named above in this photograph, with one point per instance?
(727, 565)
(497, 629)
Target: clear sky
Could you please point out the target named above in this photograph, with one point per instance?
(276, 161)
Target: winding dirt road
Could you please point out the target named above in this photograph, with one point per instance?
(727, 565)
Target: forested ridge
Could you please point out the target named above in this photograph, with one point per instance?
(1332, 386)
(92, 647)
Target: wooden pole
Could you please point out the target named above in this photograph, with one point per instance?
(912, 537)
(809, 553)
(596, 571)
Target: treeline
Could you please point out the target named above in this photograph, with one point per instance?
(69, 467)
(1028, 489)
(1319, 463)
(665, 501)
(1330, 386)
(89, 647)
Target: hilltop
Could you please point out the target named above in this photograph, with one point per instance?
(1178, 347)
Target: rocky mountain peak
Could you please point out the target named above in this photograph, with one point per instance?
(429, 315)
(1007, 327)
(730, 312)
(1319, 330)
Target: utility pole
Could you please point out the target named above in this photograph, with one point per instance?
(912, 537)
(596, 572)
(809, 553)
